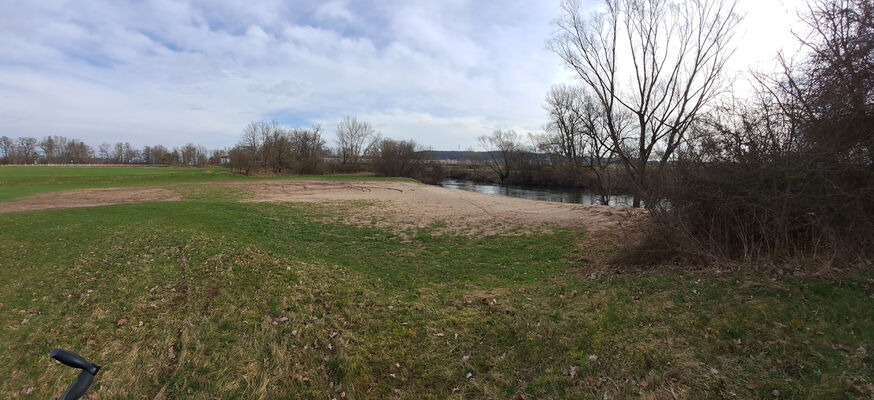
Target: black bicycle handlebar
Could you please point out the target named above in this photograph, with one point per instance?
(78, 387)
(86, 377)
(74, 360)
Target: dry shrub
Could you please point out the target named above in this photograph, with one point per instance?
(750, 193)
(791, 174)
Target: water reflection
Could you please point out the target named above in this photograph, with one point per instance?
(575, 196)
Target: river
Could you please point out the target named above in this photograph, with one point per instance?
(560, 195)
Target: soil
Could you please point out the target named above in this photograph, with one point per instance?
(417, 205)
(88, 198)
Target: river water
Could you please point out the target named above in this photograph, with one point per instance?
(560, 195)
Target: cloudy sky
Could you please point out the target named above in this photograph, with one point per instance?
(171, 72)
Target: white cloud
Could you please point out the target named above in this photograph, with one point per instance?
(335, 10)
(171, 72)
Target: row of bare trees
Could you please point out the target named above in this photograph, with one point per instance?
(52, 149)
(63, 150)
(264, 147)
(270, 147)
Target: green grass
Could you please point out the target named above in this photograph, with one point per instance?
(19, 181)
(374, 316)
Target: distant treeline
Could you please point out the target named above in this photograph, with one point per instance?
(63, 150)
(272, 148)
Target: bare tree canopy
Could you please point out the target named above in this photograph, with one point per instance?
(831, 91)
(395, 157)
(565, 129)
(271, 146)
(655, 59)
(788, 173)
(578, 137)
(503, 152)
(354, 138)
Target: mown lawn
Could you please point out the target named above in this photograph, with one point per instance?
(213, 298)
(18, 181)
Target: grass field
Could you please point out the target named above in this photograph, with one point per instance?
(210, 297)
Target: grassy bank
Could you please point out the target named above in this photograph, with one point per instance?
(213, 298)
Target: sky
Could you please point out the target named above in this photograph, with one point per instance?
(171, 72)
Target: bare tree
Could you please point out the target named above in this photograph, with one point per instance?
(26, 149)
(577, 137)
(218, 156)
(7, 149)
(673, 56)
(565, 126)
(77, 152)
(251, 143)
(395, 157)
(354, 138)
(118, 153)
(192, 154)
(157, 154)
(188, 152)
(240, 159)
(830, 93)
(49, 148)
(307, 149)
(277, 146)
(503, 152)
(131, 154)
(103, 152)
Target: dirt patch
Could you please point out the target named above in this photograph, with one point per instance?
(415, 205)
(485, 296)
(88, 198)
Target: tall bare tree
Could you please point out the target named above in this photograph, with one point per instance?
(25, 147)
(49, 148)
(504, 150)
(275, 140)
(104, 152)
(577, 137)
(251, 143)
(659, 60)
(564, 104)
(354, 138)
(307, 148)
(77, 152)
(7, 149)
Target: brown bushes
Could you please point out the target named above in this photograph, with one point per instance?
(787, 174)
(791, 175)
(776, 208)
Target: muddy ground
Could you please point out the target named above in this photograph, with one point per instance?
(89, 198)
(418, 205)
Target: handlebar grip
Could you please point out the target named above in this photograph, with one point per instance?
(74, 360)
(78, 387)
